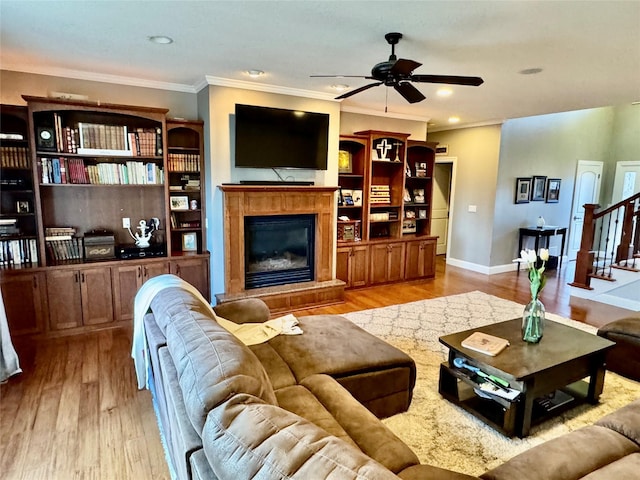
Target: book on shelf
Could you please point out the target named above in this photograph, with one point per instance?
(11, 136)
(14, 157)
(485, 343)
(73, 170)
(184, 162)
(18, 251)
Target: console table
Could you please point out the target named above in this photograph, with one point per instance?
(544, 233)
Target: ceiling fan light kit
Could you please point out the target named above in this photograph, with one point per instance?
(398, 73)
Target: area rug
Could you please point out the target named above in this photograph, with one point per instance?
(442, 434)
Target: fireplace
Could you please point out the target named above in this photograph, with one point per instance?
(279, 249)
(316, 286)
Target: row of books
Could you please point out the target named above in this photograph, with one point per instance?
(73, 170)
(184, 162)
(18, 251)
(14, 157)
(101, 139)
(64, 247)
(380, 194)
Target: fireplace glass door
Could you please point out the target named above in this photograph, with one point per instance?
(279, 250)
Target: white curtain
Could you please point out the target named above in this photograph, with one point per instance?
(9, 364)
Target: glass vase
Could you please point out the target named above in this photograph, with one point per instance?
(533, 321)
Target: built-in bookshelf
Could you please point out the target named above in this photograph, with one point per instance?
(18, 224)
(95, 165)
(186, 190)
(418, 188)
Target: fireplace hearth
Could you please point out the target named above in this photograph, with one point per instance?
(279, 249)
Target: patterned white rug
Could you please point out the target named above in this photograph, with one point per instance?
(442, 434)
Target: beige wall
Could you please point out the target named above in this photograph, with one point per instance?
(218, 103)
(15, 84)
(357, 122)
(477, 151)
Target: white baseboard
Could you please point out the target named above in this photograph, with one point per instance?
(508, 267)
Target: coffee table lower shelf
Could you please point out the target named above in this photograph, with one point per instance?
(503, 415)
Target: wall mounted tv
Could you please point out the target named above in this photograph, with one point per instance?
(277, 138)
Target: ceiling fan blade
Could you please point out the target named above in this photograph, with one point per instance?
(410, 93)
(450, 79)
(404, 67)
(358, 90)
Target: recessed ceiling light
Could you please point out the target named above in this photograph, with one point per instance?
(161, 39)
(444, 92)
(530, 71)
(454, 119)
(341, 87)
(255, 73)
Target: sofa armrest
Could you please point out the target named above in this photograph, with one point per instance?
(246, 310)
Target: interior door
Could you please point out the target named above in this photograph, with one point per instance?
(440, 204)
(586, 190)
(626, 182)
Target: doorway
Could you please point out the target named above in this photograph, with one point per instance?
(626, 182)
(443, 182)
(586, 190)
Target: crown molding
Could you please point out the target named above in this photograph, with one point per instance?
(100, 77)
(467, 125)
(376, 113)
(262, 87)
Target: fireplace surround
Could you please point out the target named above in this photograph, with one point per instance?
(248, 201)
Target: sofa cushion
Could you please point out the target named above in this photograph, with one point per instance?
(569, 457)
(627, 468)
(247, 438)
(333, 345)
(297, 399)
(174, 300)
(420, 472)
(625, 421)
(277, 369)
(212, 365)
(370, 435)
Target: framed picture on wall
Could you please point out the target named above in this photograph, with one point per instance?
(537, 188)
(553, 190)
(523, 189)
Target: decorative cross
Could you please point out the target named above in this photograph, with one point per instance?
(383, 147)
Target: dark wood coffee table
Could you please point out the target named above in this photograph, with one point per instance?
(550, 375)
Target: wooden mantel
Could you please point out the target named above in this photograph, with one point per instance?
(260, 200)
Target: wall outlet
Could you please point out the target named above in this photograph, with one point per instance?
(126, 222)
(473, 208)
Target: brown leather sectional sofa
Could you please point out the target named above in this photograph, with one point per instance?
(294, 406)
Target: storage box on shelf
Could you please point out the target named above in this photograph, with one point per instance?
(186, 189)
(91, 166)
(395, 218)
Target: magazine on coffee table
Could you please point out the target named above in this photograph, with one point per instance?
(485, 343)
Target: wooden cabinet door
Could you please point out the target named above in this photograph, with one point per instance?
(420, 259)
(395, 262)
(359, 266)
(343, 258)
(126, 282)
(386, 262)
(194, 271)
(23, 295)
(65, 300)
(97, 295)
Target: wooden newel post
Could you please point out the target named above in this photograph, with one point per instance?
(584, 258)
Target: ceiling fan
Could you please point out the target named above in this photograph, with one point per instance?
(397, 73)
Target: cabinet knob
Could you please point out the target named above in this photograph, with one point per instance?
(139, 271)
(145, 271)
(35, 282)
(76, 276)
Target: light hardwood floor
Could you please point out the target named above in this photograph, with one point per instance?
(75, 412)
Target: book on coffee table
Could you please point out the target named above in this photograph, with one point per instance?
(484, 343)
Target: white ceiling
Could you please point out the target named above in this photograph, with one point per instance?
(589, 50)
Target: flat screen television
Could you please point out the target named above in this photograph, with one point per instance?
(278, 138)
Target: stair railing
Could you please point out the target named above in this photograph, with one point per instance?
(610, 239)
